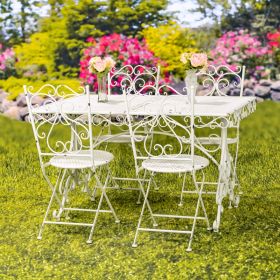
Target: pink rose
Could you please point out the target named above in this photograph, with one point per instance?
(94, 59)
(110, 63)
(198, 59)
(100, 66)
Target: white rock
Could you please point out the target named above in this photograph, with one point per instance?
(275, 95)
(13, 113)
(6, 104)
(235, 92)
(21, 101)
(3, 95)
(36, 100)
(23, 112)
(276, 86)
(262, 91)
(265, 82)
(248, 92)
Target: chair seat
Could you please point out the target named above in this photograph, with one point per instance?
(215, 140)
(74, 161)
(114, 138)
(176, 164)
(118, 138)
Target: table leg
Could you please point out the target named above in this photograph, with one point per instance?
(224, 181)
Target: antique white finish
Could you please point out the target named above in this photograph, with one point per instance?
(157, 156)
(230, 107)
(74, 155)
(145, 80)
(215, 81)
(221, 111)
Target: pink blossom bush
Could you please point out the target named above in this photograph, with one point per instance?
(124, 50)
(274, 39)
(240, 48)
(274, 43)
(7, 62)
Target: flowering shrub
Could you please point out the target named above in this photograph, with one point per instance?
(274, 43)
(124, 50)
(168, 42)
(7, 62)
(274, 39)
(241, 48)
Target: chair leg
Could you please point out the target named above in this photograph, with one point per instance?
(138, 202)
(52, 187)
(103, 194)
(146, 202)
(106, 197)
(199, 201)
(89, 241)
(93, 195)
(117, 220)
(139, 198)
(64, 192)
(54, 195)
(189, 249)
(183, 188)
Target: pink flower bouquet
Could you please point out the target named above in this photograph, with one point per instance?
(100, 66)
(194, 61)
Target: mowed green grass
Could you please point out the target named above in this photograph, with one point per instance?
(247, 247)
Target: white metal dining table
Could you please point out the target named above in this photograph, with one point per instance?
(224, 111)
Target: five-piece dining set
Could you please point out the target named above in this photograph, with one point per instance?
(161, 128)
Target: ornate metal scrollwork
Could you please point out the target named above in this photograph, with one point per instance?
(161, 125)
(139, 78)
(216, 80)
(48, 124)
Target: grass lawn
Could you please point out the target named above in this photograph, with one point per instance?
(247, 247)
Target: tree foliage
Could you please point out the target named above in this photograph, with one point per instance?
(71, 22)
(259, 16)
(18, 19)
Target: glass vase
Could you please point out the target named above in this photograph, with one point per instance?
(102, 88)
(191, 82)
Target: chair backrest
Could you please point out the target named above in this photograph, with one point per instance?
(165, 136)
(62, 123)
(144, 79)
(218, 80)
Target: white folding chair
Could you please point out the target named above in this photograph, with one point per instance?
(62, 128)
(164, 152)
(145, 81)
(217, 81)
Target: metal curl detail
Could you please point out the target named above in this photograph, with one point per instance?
(217, 79)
